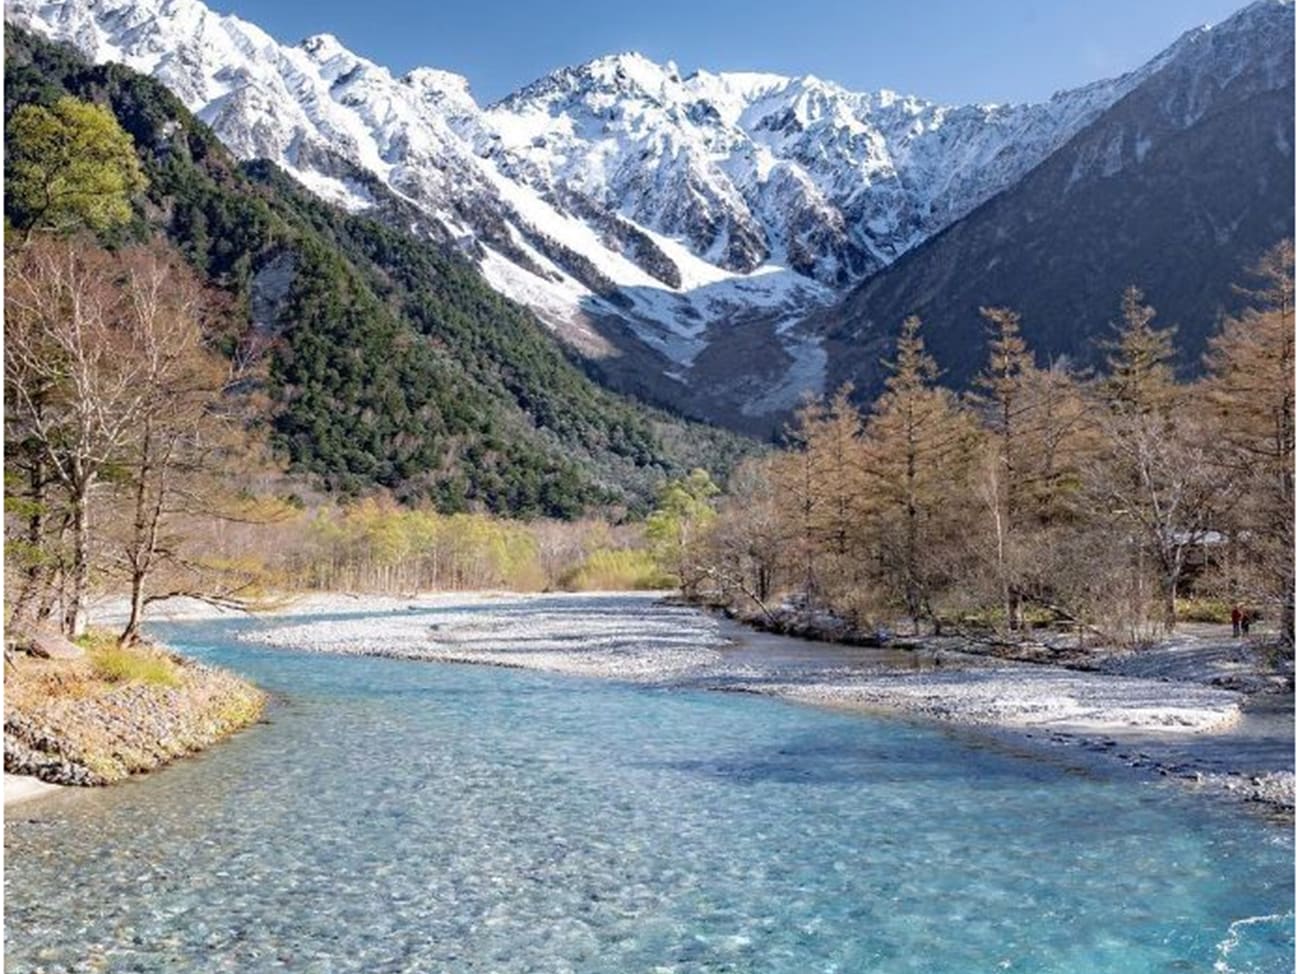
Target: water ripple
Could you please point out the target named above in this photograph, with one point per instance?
(398, 816)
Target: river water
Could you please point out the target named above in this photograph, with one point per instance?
(406, 816)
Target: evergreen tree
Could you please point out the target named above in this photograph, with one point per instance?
(389, 361)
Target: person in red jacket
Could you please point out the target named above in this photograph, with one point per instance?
(1236, 616)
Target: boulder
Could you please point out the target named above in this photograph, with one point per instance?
(52, 645)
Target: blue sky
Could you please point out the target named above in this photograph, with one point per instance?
(946, 50)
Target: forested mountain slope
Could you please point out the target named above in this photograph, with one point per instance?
(391, 363)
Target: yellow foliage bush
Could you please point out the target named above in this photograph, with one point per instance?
(621, 570)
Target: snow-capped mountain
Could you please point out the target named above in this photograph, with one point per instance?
(1178, 188)
(658, 222)
(756, 168)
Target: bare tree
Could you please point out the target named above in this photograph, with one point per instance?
(76, 384)
(748, 542)
(1153, 479)
(120, 408)
(184, 430)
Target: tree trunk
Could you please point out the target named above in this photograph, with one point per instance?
(1172, 574)
(131, 634)
(74, 618)
(913, 595)
(1287, 614)
(37, 575)
(51, 595)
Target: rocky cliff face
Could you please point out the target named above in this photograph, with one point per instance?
(677, 229)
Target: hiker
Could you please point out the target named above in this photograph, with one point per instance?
(1235, 620)
(1244, 623)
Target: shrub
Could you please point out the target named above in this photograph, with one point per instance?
(608, 570)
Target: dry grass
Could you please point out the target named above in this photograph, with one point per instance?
(117, 664)
(29, 679)
(1204, 610)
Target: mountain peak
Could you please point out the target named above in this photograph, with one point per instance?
(445, 91)
(622, 74)
(1257, 20)
(629, 71)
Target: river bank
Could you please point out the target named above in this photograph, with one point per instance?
(110, 714)
(1187, 711)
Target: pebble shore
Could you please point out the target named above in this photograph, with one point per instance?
(98, 737)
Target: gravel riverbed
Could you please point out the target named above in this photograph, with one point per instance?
(1164, 715)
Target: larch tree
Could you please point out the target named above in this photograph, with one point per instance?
(1007, 410)
(1153, 478)
(831, 439)
(1251, 395)
(797, 483)
(748, 543)
(918, 449)
(1059, 437)
(834, 439)
(1058, 441)
(1139, 374)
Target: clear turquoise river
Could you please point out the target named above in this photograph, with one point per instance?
(404, 816)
